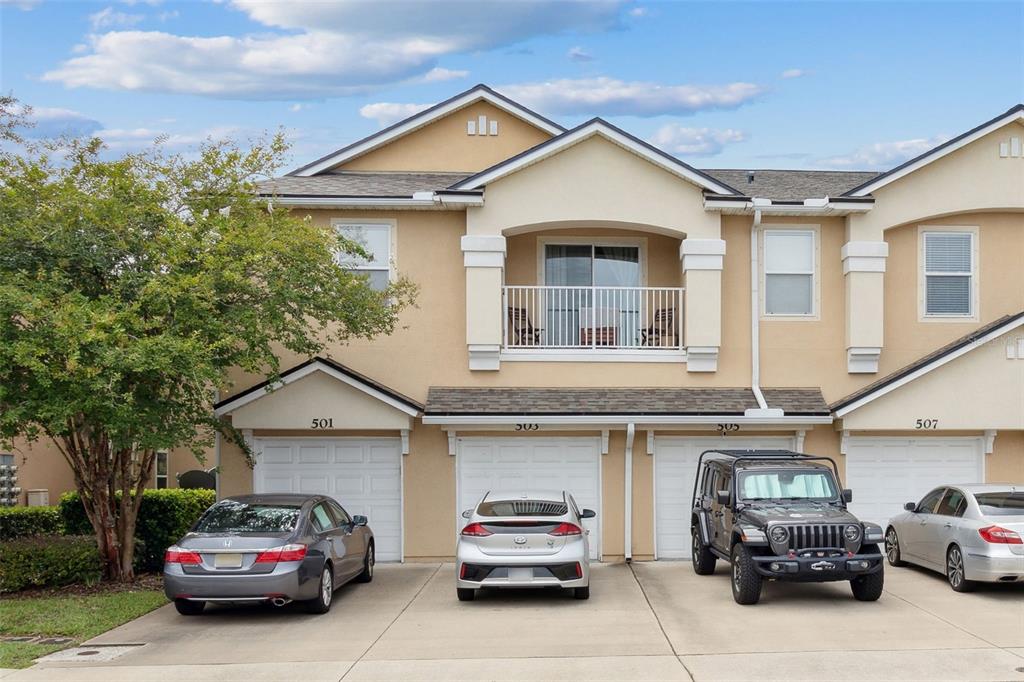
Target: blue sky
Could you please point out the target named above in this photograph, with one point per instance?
(725, 84)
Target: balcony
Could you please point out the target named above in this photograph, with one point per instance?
(582, 322)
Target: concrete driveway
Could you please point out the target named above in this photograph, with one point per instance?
(648, 621)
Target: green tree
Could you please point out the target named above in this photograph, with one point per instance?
(131, 287)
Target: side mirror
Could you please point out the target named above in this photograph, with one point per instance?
(359, 520)
(723, 497)
(910, 506)
(588, 514)
(466, 514)
(847, 495)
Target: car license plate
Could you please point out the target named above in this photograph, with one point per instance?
(515, 574)
(227, 560)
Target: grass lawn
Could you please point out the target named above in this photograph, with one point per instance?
(76, 616)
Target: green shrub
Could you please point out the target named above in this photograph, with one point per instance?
(21, 522)
(165, 515)
(48, 561)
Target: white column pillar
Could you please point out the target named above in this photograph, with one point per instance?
(702, 261)
(864, 272)
(484, 258)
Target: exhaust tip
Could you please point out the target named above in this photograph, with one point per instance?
(280, 601)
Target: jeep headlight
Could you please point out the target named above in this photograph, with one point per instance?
(779, 534)
(852, 533)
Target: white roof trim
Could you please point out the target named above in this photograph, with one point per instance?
(312, 367)
(824, 206)
(939, 152)
(476, 94)
(667, 419)
(934, 364)
(577, 135)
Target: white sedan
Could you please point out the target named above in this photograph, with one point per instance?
(971, 533)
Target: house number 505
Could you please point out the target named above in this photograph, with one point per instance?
(323, 424)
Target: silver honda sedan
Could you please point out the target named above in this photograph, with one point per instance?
(269, 548)
(972, 533)
(524, 539)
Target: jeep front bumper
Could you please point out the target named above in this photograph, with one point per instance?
(818, 565)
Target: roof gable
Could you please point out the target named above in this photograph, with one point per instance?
(583, 132)
(478, 93)
(1014, 114)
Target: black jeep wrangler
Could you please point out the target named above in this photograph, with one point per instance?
(780, 515)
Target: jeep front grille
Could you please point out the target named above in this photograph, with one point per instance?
(807, 536)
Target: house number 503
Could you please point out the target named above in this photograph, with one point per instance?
(323, 423)
(527, 427)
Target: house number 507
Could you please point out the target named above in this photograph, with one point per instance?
(323, 423)
(926, 424)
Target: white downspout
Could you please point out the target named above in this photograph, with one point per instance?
(755, 326)
(628, 534)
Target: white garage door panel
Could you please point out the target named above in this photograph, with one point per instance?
(363, 475)
(511, 464)
(885, 473)
(675, 467)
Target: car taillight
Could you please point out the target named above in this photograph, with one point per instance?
(563, 529)
(579, 570)
(177, 555)
(999, 536)
(286, 553)
(476, 530)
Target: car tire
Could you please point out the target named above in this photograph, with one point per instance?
(955, 571)
(325, 593)
(868, 587)
(703, 559)
(892, 548)
(189, 608)
(581, 592)
(368, 562)
(746, 581)
(465, 593)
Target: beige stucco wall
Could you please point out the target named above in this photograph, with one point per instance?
(1006, 463)
(444, 145)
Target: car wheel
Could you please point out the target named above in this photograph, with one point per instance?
(325, 594)
(465, 593)
(955, 572)
(368, 561)
(746, 581)
(892, 548)
(189, 608)
(703, 560)
(868, 587)
(581, 592)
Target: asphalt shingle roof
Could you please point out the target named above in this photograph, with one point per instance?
(605, 401)
(792, 185)
(360, 184)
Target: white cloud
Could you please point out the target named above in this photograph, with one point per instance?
(639, 12)
(49, 122)
(794, 73)
(168, 15)
(437, 74)
(24, 5)
(578, 54)
(882, 155)
(682, 141)
(321, 49)
(108, 17)
(134, 139)
(386, 113)
(609, 96)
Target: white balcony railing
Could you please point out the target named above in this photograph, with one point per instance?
(597, 318)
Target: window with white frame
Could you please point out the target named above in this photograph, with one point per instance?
(161, 470)
(789, 258)
(375, 239)
(949, 274)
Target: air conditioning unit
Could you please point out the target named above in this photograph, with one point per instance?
(40, 497)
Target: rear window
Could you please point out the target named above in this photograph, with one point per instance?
(238, 517)
(522, 508)
(1001, 504)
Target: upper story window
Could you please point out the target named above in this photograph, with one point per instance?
(375, 238)
(592, 265)
(789, 260)
(161, 470)
(948, 273)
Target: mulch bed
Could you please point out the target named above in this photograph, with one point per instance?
(145, 581)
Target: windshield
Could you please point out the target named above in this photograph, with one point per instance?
(786, 484)
(1001, 504)
(522, 508)
(238, 517)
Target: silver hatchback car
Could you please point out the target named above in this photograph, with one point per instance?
(972, 533)
(524, 539)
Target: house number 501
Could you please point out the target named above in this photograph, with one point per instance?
(323, 423)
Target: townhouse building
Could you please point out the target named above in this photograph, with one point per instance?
(595, 312)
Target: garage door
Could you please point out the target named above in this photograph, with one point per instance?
(514, 464)
(363, 474)
(885, 473)
(675, 466)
